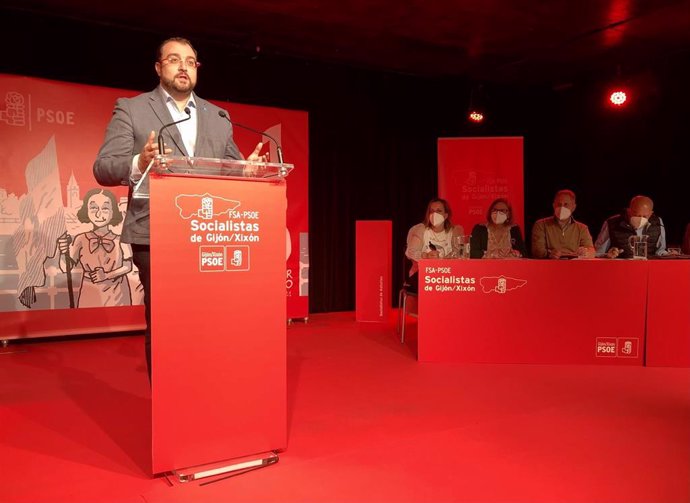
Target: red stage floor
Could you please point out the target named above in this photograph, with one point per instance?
(367, 423)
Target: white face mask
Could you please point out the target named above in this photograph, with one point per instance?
(499, 218)
(563, 213)
(437, 219)
(638, 222)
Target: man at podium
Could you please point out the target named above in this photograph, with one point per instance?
(194, 128)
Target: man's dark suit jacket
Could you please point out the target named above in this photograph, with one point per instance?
(133, 120)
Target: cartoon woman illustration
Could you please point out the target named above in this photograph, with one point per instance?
(104, 282)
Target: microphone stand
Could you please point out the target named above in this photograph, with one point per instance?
(279, 150)
(161, 149)
(161, 144)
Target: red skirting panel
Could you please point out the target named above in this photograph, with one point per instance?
(532, 311)
(668, 314)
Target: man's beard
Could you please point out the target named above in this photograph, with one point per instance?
(180, 87)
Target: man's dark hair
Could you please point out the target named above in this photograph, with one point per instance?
(179, 40)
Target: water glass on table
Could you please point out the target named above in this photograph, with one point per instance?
(459, 246)
(638, 244)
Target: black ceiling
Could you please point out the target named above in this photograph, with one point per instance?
(510, 41)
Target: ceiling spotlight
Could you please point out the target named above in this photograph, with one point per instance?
(618, 98)
(478, 104)
(476, 116)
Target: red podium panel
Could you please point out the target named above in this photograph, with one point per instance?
(373, 270)
(218, 319)
(532, 311)
(668, 314)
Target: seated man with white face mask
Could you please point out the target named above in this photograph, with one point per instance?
(432, 238)
(561, 236)
(637, 220)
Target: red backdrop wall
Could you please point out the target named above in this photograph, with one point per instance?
(50, 133)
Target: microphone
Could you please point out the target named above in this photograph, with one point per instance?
(161, 144)
(279, 150)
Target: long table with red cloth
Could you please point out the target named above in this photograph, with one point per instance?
(555, 311)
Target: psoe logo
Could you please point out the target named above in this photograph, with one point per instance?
(500, 284)
(606, 347)
(205, 206)
(628, 347)
(238, 258)
(13, 113)
(211, 259)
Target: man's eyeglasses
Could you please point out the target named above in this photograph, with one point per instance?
(176, 60)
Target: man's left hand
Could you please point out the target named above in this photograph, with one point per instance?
(555, 254)
(586, 252)
(255, 156)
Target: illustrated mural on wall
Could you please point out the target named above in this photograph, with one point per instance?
(99, 272)
(104, 262)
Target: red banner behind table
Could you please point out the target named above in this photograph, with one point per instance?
(472, 172)
(50, 133)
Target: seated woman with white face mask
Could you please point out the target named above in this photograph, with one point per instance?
(498, 237)
(432, 238)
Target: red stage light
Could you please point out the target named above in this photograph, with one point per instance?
(476, 116)
(618, 97)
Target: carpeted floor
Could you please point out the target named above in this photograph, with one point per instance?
(367, 423)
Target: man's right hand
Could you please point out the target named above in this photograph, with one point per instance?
(149, 152)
